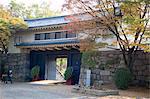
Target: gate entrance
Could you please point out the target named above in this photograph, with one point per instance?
(48, 61)
(55, 67)
(61, 66)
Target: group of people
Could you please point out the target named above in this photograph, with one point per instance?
(7, 77)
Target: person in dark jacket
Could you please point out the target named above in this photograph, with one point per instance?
(10, 75)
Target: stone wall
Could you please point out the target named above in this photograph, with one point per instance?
(109, 61)
(19, 63)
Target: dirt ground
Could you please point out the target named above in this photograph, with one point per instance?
(136, 92)
(25, 91)
(133, 92)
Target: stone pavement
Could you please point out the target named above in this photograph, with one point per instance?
(29, 91)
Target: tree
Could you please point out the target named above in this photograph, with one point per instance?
(127, 20)
(8, 25)
(33, 11)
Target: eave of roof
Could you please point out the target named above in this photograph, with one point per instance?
(44, 18)
(43, 43)
(51, 21)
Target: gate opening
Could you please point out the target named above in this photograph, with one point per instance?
(61, 65)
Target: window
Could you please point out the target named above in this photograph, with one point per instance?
(63, 34)
(71, 35)
(39, 36)
(49, 36)
(42, 36)
(54, 35)
(57, 35)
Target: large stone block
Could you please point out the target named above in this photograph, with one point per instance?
(141, 66)
(19, 63)
(94, 76)
(98, 77)
(104, 72)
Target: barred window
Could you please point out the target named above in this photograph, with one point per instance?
(57, 35)
(54, 35)
(49, 36)
(39, 36)
(71, 35)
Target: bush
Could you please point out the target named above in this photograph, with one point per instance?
(89, 59)
(35, 71)
(122, 78)
(3, 70)
(68, 73)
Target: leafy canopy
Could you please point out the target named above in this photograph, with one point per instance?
(126, 20)
(32, 11)
(8, 25)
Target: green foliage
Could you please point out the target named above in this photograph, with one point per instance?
(68, 73)
(35, 71)
(61, 65)
(89, 59)
(127, 20)
(33, 11)
(8, 25)
(3, 67)
(122, 78)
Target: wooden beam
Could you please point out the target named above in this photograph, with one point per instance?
(42, 49)
(49, 48)
(57, 48)
(75, 47)
(66, 48)
(35, 49)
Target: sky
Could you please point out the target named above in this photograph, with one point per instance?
(54, 4)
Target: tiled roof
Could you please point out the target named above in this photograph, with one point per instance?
(40, 22)
(46, 21)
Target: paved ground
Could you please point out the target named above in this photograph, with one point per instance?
(28, 91)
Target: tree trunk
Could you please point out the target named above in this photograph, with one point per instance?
(130, 61)
(129, 58)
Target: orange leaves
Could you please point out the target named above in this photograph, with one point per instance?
(72, 18)
(86, 45)
(114, 43)
(13, 21)
(8, 24)
(4, 14)
(80, 25)
(145, 47)
(16, 21)
(127, 28)
(131, 9)
(98, 6)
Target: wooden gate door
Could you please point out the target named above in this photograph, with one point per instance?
(38, 58)
(75, 63)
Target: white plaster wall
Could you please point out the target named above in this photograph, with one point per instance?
(27, 37)
(30, 37)
(11, 47)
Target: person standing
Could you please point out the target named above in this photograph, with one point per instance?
(10, 75)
